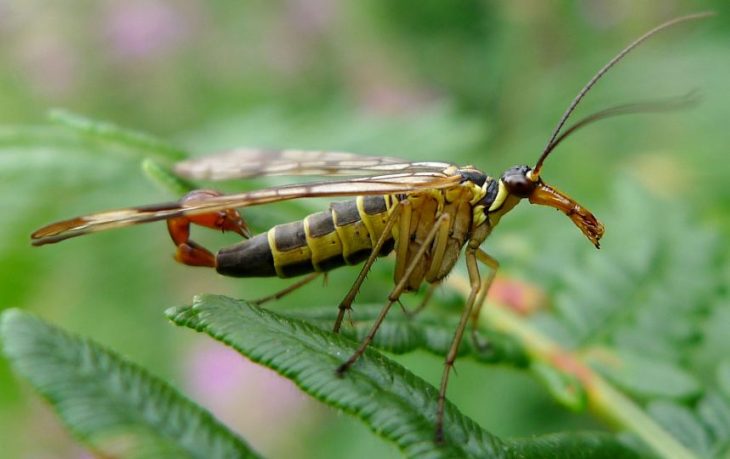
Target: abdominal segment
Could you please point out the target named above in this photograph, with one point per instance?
(344, 234)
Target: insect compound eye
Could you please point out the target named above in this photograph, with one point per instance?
(519, 186)
(517, 182)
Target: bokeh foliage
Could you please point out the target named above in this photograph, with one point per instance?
(423, 80)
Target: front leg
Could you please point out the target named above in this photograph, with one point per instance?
(493, 265)
(475, 282)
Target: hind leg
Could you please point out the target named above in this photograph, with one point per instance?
(285, 291)
(430, 290)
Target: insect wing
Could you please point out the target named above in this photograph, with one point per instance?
(251, 162)
(97, 222)
(384, 184)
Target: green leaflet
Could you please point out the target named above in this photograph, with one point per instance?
(579, 445)
(113, 406)
(393, 402)
(646, 312)
(646, 378)
(714, 413)
(723, 377)
(681, 422)
(400, 334)
(564, 387)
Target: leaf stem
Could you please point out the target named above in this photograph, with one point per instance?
(165, 178)
(111, 132)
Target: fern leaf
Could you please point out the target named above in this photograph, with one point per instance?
(393, 402)
(113, 406)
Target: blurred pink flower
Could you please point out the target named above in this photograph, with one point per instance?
(389, 98)
(49, 62)
(294, 41)
(145, 28)
(245, 396)
(604, 14)
(520, 297)
(310, 17)
(4, 14)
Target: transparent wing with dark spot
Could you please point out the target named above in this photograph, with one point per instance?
(383, 184)
(252, 162)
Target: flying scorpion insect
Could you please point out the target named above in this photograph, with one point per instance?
(424, 212)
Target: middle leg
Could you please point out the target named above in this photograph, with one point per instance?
(346, 303)
(395, 293)
(426, 299)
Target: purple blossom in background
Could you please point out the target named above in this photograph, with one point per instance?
(310, 17)
(49, 63)
(245, 396)
(604, 14)
(4, 14)
(145, 29)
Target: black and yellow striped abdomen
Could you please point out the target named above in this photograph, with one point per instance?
(344, 234)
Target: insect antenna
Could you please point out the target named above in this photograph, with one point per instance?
(650, 106)
(617, 58)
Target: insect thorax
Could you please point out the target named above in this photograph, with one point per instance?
(464, 204)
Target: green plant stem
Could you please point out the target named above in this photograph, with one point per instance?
(111, 132)
(165, 178)
(603, 399)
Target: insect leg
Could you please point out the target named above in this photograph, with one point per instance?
(403, 243)
(285, 291)
(493, 266)
(395, 293)
(474, 279)
(346, 303)
(439, 250)
(426, 298)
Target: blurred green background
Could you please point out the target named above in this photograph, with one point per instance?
(480, 82)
